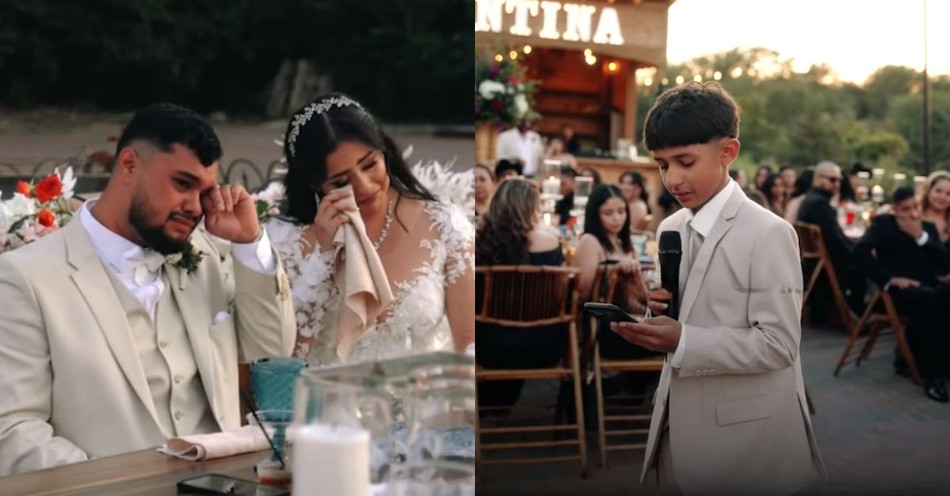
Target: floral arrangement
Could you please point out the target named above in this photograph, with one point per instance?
(269, 201)
(36, 209)
(503, 95)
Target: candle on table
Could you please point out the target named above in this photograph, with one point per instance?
(331, 460)
(877, 193)
(551, 186)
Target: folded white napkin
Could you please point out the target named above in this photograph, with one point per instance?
(361, 278)
(217, 445)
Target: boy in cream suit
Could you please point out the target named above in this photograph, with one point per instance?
(730, 413)
(126, 326)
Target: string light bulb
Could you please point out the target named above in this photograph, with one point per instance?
(526, 49)
(499, 58)
(513, 54)
(612, 66)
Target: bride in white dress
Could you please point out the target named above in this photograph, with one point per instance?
(426, 246)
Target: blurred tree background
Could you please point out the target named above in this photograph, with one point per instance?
(799, 119)
(406, 60)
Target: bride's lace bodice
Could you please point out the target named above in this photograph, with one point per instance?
(423, 263)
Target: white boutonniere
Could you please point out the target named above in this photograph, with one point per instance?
(187, 259)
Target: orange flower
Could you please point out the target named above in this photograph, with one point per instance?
(46, 218)
(49, 188)
(23, 188)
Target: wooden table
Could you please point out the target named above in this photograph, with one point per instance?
(145, 472)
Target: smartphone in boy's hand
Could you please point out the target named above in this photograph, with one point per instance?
(609, 312)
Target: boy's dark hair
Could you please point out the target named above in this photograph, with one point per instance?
(165, 124)
(507, 165)
(690, 114)
(734, 174)
(901, 194)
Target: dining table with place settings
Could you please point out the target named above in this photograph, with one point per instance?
(145, 472)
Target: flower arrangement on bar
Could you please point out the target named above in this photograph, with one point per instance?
(36, 209)
(503, 95)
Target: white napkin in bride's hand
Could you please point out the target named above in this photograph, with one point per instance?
(216, 445)
(361, 278)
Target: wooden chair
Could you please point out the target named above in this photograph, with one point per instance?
(812, 247)
(604, 287)
(878, 319)
(529, 297)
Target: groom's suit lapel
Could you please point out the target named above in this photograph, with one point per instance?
(98, 291)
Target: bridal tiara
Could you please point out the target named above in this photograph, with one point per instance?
(316, 108)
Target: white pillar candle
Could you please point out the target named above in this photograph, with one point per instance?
(331, 461)
(551, 186)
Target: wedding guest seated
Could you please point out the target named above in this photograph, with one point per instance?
(511, 234)
(484, 186)
(802, 185)
(345, 172)
(635, 193)
(566, 203)
(762, 172)
(506, 168)
(788, 175)
(125, 327)
(935, 204)
(904, 256)
(592, 173)
(817, 209)
(849, 188)
(607, 238)
(738, 175)
(773, 188)
(555, 151)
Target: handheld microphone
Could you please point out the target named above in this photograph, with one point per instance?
(671, 251)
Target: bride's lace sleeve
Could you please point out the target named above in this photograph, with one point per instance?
(310, 280)
(458, 237)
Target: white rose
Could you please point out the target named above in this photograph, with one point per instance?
(273, 193)
(521, 105)
(20, 206)
(488, 89)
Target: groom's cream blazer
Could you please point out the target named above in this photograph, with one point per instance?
(735, 408)
(71, 383)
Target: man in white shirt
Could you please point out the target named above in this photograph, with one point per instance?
(126, 327)
(730, 414)
(521, 143)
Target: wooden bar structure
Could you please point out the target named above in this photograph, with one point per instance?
(586, 54)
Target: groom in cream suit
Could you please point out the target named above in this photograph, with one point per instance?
(730, 414)
(107, 344)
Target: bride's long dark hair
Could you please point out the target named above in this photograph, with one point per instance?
(319, 136)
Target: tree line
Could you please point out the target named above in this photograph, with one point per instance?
(407, 60)
(799, 119)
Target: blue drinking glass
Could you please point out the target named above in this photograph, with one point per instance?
(272, 382)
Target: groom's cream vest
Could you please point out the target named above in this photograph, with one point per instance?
(181, 404)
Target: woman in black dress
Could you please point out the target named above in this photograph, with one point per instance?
(511, 233)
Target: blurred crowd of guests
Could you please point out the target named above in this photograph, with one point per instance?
(902, 245)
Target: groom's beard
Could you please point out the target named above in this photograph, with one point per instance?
(153, 235)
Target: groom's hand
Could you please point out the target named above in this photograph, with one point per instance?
(231, 214)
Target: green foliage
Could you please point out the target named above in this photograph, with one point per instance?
(907, 120)
(402, 58)
(800, 119)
